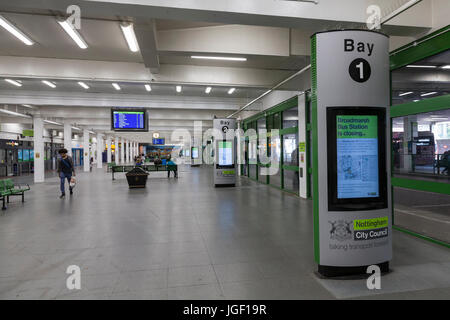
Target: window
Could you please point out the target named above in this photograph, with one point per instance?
(290, 118)
(290, 149)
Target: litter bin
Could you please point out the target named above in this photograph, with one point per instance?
(137, 178)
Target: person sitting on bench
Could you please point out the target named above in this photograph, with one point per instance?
(171, 166)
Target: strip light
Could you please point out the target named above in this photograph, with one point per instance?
(231, 90)
(208, 90)
(28, 106)
(405, 93)
(70, 30)
(15, 32)
(178, 88)
(446, 67)
(428, 94)
(130, 36)
(50, 84)
(14, 82)
(148, 88)
(116, 86)
(419, 66)
(84, 85)
(53, 122)
(75, 128)
(219, 58)
(15, 113)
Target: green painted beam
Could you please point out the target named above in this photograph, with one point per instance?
(426, 105)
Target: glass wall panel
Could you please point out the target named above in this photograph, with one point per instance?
(290, 149)
(421, 145)
(290, 118)
(291, 180)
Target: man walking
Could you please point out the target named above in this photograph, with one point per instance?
(65, 171)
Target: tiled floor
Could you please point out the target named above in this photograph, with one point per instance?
(185, 239)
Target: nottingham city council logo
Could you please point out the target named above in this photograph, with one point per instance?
(340, 230)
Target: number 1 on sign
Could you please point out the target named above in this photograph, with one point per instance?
(360, 66)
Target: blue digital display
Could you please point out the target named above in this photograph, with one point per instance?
(19, 155)
(159, 141)
(26, 155)
(129, 120)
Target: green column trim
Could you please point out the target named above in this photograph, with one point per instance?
(315, 149)
(292, 168)
(422, 185)
(426, 105)
(429, 45)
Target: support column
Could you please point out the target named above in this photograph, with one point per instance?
(68, 137)
(129, 151)
(122, 151)
(39, 168)
(108, 151)
(100, 148)
(86, 151)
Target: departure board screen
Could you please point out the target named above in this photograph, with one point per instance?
(194, 153)
(357, 156)
(129, 119)
(225, 153)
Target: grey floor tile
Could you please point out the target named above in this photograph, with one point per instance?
(190, 276)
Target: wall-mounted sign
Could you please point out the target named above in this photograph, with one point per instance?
(28, 133)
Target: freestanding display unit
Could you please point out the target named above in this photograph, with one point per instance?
(225, 154)
(351, 181)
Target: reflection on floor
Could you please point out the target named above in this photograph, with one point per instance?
(423, 212)
(184, 239)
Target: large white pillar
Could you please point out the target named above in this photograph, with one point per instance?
(39, 168)
(129, 151)
(108, 151)
(86, 151)
(122, 151)
(100, 148)
(68, 137)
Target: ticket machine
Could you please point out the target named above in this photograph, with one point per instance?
(351, 164)
(225, 153)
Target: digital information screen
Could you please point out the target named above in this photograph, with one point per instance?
(357, 156)
(32, 155)
(129, 119)
(225, 153)
(159, 141)
(26, 155)
(194, 153)
(19, 155)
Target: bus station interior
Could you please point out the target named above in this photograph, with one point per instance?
(191, 63)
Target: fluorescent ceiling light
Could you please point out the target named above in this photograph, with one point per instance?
(428, 94)
(208, 90)
(53, 122)
(50, 84)
(28, 106)
(148, 88)
(70, 30)
(75, 128)
(84, 85)
(419, 66)
(219, 58)
(446, 67)
(14, 82)
(405, 93)
(178, 88)
(15, 113)
(116, 86)
(415, 100)
(15, 32)
(130, 37)
(231, 90)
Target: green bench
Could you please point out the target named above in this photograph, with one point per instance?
(147, 167)
(8, 189)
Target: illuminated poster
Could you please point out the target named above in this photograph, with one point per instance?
(19, 155)
(26, 155)
(357, 156)
(32, 155)
(194, 153)
(225, 153)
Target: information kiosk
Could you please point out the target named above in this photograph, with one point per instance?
(351, 184)
(225, 154)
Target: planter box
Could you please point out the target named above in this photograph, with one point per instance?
(137, 178)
